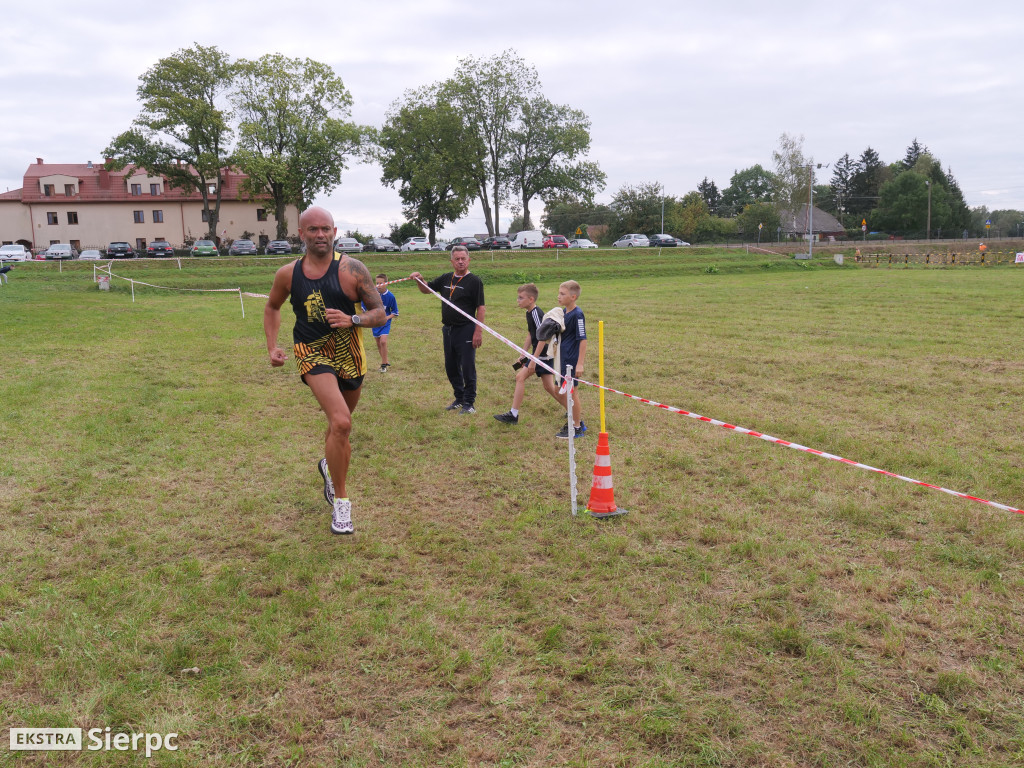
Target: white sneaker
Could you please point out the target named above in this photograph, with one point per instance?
(341, 520)
(328, 485)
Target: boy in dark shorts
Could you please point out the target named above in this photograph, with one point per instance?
(572, 351)
(526, 298)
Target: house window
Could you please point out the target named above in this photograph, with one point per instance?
(206, 215)
(72, 217)
(261, 214)
(51, 217)
(140, 217)
(48, 190)
(136, 189)
(140, 244)
(154, 189)
(158, 217)
(69, 190)
(211, 188)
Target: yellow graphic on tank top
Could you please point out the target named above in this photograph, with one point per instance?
(341, 349)
(316, 310)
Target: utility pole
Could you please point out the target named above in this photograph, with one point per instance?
(810, 212)
(928, 184)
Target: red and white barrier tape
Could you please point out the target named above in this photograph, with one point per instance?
(733, 427)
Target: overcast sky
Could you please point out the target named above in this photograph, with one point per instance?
(675, 91)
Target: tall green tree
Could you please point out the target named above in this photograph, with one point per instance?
(566, 215)
(755, 215)
(842, 185)
(903, 205)
(686, 217)
(426, 148)
(490, 94)
(294, 135)
(792, 176)
(183, 132)
(638, 209)
(867, 180)
(712, 197)
(914, 152)
(543, 149)
(751, 185)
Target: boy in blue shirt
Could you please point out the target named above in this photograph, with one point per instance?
(380, 335)
(572, 351)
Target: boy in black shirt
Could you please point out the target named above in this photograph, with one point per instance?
(526, 298)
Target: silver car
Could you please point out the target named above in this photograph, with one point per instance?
(61, 251)
(630, 241)
(91, 255)
(582, 242)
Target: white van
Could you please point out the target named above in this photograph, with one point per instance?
(528, 238)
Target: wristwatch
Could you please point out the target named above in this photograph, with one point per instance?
(356, 320)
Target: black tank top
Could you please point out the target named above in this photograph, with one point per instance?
(315, 341)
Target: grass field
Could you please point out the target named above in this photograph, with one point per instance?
(160, 511)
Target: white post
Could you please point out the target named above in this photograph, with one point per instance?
(572, 437)
(243, 302)
(133, 290)
(179, 263)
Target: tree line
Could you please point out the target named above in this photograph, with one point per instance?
(489, 135)
(865, 193)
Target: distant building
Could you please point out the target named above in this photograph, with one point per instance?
(88, 207)
(794, 223)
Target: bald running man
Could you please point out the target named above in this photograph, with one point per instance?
(328, 345)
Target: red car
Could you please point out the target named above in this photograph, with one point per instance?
(555, 241)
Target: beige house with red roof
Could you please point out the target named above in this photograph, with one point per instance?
(88, 206)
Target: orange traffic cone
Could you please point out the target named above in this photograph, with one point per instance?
(602, 495)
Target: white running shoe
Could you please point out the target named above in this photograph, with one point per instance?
(328, 485)
(341, 520)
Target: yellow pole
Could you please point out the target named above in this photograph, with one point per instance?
(600, 367)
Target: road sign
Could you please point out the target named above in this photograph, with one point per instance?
(579, 230)
(863, 222)
(988, 224)
(760, 226)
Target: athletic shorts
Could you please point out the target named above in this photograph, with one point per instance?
(343, 384)
(544, 371)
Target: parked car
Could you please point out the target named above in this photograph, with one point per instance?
(120, 250)
(629, 241)
(380, 244)
(278, 247)
(91, 255)
(555, 241)
(243, 247)
(440, 245)
(680, 241)
(15, 252)
(662, 241)
(471, 243)
(496, 242)
(347, 245)
(61, 251)
(416, 244)
(159, 248)
(528, 238)
(204, 248)
(582, 242)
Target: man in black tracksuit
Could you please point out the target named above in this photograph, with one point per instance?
(461, 336)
